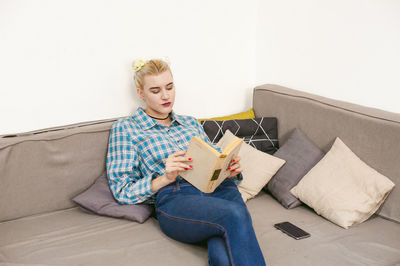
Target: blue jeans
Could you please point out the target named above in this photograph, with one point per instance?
(221, 218)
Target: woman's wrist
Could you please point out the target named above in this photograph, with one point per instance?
(159, 182)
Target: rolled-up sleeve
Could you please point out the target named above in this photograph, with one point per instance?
(127, 184)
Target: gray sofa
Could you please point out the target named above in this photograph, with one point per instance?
(41, 171)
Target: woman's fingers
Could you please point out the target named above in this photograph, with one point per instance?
(177, 157)
(182, 165)
(233, 167)
(177, 169)
(179, 153)
(238, 170)
(236, 159)
(176, 162)
(235, 172)
(181, 169)
(182, 159)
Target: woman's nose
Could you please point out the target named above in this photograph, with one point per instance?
(164, 95)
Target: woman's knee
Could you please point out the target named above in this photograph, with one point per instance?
(239, 213)
(186, 229)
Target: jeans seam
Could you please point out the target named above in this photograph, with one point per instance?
(185, 185)
(164, 189)
(205, 223)
(163, 197)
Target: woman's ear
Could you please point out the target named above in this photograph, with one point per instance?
(140, 92)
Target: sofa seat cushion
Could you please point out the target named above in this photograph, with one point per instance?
(375, 242)
(73, 237)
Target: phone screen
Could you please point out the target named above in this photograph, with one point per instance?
(292, 230)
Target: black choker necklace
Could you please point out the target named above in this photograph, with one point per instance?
(159, 118)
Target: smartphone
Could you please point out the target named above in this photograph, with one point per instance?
(292, 230)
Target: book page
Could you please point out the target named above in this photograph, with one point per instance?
(204, 161)
(231, 146)
(223, 163)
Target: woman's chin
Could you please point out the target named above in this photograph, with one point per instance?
(164, 111)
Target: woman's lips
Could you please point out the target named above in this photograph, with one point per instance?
(166, 104)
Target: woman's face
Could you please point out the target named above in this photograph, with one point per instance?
(158, 93)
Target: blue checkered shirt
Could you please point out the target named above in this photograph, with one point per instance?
(138, 148)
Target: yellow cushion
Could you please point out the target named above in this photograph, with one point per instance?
(243, 115)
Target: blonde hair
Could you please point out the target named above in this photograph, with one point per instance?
(150, 67)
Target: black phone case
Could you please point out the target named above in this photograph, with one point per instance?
(292, 230)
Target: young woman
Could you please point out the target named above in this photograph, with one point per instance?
(146, 153)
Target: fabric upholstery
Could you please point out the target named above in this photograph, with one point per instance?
(372, 134)
(48, 167)
(64, 161)
(300, 154)
(242, 115)
(261, 133)
(73, 237)
(99, 199)
(343, 188)
(258, 167)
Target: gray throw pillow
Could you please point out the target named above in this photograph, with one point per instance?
(99, 200)
(300, 154)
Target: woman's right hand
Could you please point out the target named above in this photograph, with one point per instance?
(175, 163)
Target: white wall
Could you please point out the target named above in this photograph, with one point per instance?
(68, 61)
(345, 49)
(64, 62)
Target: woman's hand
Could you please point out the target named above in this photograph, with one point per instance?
(234, 167)
(174, 164)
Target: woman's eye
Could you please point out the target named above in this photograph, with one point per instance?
(154, 92)
(169, 88)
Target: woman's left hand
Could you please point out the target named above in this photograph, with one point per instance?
(234, 167)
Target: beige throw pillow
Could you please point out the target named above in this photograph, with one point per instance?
(258, 167)
(342, 188)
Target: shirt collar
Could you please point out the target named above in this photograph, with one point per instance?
(146, 122)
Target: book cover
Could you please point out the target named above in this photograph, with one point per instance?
(209, 165)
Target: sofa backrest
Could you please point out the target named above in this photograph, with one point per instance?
(42, 170)
(372, 134)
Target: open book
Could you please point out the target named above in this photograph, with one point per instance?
(209, 165)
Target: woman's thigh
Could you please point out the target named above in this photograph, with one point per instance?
(228, 190)
(189, 215)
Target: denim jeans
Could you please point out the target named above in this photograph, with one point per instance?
(220, 218)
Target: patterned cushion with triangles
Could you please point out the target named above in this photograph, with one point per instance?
(261, 132)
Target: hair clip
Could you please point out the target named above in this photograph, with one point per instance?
(139, 63)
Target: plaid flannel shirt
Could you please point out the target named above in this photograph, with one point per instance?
(138, 148)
